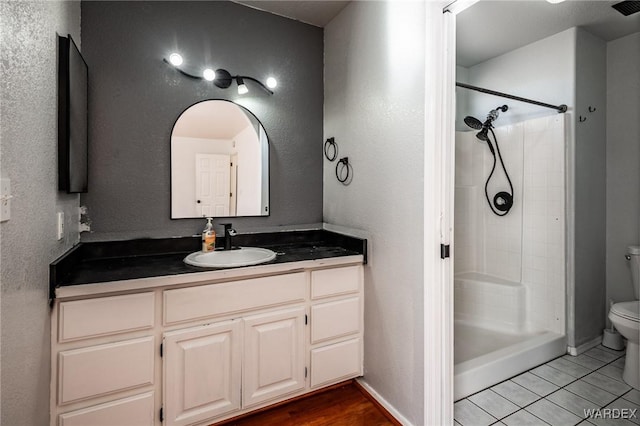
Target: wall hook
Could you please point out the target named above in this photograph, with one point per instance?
(591, 109)
(582, 119)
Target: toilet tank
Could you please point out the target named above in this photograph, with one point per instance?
(634, 254)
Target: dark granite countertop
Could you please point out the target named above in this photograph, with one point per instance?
(97, 262)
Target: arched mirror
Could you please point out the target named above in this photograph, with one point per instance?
(219, 162)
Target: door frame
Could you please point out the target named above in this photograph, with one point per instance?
(439, 175)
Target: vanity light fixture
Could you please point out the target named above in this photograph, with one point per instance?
(555, 1)
(221, 77)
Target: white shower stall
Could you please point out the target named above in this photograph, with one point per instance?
(509, 283)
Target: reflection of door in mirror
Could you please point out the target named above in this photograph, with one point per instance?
(212, 185)
(219, 162)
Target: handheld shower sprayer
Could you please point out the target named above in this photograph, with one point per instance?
(503, 200)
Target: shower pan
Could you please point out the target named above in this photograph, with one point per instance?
(509, 284)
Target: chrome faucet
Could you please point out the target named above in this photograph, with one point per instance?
(228, 233)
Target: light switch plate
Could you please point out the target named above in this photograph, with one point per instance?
(5, 200)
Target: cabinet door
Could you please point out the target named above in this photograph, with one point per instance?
(274, 355)
(201, 372)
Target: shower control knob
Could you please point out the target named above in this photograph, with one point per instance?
(503, 201)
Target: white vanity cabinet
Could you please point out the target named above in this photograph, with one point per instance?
(194, 353)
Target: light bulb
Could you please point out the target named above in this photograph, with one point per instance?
(175, 59)
(209, 74)
(555, 1)
(242, 88)
(271, 83)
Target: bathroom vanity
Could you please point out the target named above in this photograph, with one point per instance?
(143, 339)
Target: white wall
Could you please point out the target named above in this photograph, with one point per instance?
(543, 71)
(248, 146)
(623, 161)
(28, 143)
(375, 109)
(462, 98)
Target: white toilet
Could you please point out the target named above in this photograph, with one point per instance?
(625, 317)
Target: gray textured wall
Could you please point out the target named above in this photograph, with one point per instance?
(28, 142)
(623, 162)
(590, 188)
(135, 98)
(378, 121)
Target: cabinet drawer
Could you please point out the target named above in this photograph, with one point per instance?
(331, 282)
(336, 362)
(102, 369)
(335, 319)
(218, 299)
(105, 315)
(134, 411)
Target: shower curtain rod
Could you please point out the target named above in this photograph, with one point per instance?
(560, 108)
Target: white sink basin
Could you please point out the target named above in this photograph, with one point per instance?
(243, 256)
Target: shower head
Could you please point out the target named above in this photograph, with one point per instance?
(473, 122)
(476, 124)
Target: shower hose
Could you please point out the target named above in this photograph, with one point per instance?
(502, 201)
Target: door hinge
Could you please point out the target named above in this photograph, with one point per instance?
(162, 414)
(444, 251)
(306, 319)
(161, 350)
(305, 372)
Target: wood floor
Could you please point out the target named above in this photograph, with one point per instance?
(345, 405)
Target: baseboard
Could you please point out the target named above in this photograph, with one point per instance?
(391, 413)
(585, 346)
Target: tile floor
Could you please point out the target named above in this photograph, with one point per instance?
(556, 393)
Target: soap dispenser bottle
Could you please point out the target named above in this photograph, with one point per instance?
(208, 237)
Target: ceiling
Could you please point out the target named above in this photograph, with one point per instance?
(489, 28)
(211, 120)
(314, 12)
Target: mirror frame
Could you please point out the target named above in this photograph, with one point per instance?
(268, 161)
